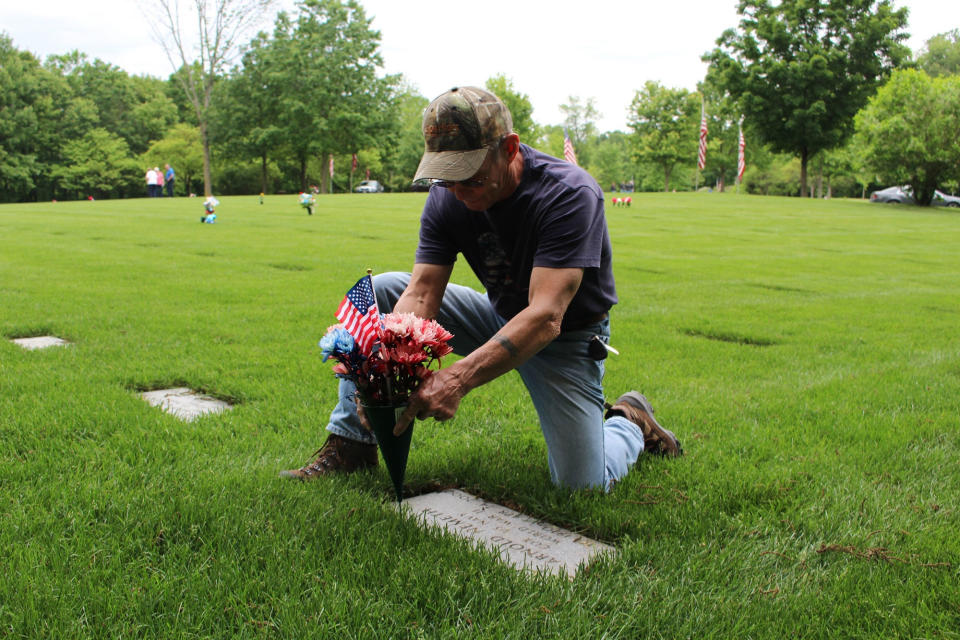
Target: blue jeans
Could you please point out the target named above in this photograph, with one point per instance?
(565, 384)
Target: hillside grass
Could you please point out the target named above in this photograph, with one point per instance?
(806, 352)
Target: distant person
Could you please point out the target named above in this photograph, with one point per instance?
(168, 179)
(152, 179)
(159, 182)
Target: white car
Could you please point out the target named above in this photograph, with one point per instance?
(369, 186)
(904, 195)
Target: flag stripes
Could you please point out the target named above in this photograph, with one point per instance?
(359, 314)
(702, 151)
(568, 153)
(741, 158)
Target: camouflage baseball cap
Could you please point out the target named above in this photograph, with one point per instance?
(459, 128)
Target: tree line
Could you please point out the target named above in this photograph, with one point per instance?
(831, 102)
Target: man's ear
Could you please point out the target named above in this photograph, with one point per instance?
(510, 145)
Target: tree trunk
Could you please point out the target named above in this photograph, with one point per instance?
(263, 173)
(207, 180)
(820, 175)
(803, 173)
(666, 178)
(303, 173)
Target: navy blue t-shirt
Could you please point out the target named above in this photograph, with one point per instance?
(555, 218)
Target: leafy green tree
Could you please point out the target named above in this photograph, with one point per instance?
(940, 56)
(723, 123)
(32, 105)
(664, 123)
(579, 118)
(152, 114)
(134, 108)
(908, 131)
(220, 26)
(611, 159)
(98, 164)
(801, 69)
(521, 110)
(550, 140)
(401, 150)
(332, 101)
(248, 117)
(182, 148)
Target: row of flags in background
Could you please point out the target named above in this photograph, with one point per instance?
(702, 149)
(353, 165)
(570, 155)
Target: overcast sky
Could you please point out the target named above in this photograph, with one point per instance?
(601, 49)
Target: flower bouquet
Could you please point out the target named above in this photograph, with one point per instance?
(403, 350)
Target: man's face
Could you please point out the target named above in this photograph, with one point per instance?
(490, 175)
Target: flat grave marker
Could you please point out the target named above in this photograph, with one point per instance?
(522, 541)
(40, 342)
(184, 403)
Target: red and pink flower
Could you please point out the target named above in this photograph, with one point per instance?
(405, 348)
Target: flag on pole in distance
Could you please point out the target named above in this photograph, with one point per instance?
(741, 158)
(359, 314)
(702, 151)
(568, 153)
(353, 163)
(331, 165)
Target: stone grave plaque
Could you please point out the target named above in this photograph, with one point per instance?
(40, 342)
(520, 540)
(184, 403)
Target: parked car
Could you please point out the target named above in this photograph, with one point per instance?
(369, 186)
(904, 195)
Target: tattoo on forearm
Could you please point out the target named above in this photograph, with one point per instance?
(504, 342)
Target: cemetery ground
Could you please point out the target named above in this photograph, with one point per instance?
(806, 352)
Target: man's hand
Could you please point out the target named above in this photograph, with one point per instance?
(551, 291)
(438, 397)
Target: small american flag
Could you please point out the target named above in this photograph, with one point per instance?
(359, 315)
(331, 165)
(741, 158)
(702, 152)
(353, 163)
(568, 153)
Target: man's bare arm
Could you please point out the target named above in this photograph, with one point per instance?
(424, 293)
(551, 291)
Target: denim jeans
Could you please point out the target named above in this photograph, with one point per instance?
(565, 384)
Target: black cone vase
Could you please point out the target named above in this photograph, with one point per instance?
(394, 449)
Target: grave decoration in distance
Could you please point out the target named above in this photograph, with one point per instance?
(40, 342)
(518, 539)
(386, 357)
(184, 403)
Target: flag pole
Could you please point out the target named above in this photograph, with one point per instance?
(370, 275)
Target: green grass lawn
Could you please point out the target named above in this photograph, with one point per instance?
(806, 352)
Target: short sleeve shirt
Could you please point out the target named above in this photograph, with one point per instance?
(555, 218)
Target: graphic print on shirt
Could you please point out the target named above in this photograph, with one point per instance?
(495, 262)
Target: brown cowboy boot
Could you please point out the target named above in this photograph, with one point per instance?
(337, 455)
(636, 408)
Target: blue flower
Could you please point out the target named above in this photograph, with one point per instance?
(337, 341)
